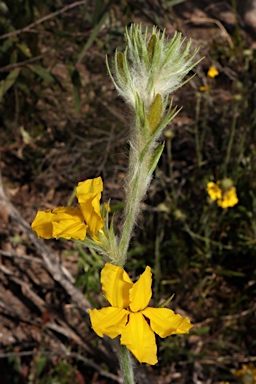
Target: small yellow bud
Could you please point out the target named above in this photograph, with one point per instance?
(238, 97)
(120, 63)
(226, 184)
(169, 134)
(179, 215)
(155, 113)
(162, 207)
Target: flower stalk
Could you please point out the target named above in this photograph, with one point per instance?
(150, 68)
(125, 362)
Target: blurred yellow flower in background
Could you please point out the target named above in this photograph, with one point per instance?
(212, 72)
(214, 191)
(228, 199)
(247, 374)
(69, 222)
(224, 192)
(204, 88)
(129, 311)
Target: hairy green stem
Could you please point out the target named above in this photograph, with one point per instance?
(125, 362)
(136, 187)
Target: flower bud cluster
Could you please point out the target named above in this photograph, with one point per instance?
(151, 65)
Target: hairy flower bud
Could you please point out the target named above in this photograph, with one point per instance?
(151, 65)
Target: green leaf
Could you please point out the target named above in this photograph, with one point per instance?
(6, 84)
(166, 120)
(151, 48)
(92, 37)
(202, 331)
(174, 2)
(6, 44)
(42, 72)
(23, 87)
(166, 301)
(24, 49)
(155, 158)
(40, 365)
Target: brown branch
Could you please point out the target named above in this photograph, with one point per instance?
(215, 21)
(10, 67)
(43, 19)
(22, 257)
(225, 318)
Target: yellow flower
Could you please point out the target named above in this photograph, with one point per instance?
(214, 191)
(212, 72)
(224, 192)
(246, 374)
(68, 222)
(204, 88)
(229, 199)
(129, 311)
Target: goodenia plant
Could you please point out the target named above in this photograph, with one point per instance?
(145, 74)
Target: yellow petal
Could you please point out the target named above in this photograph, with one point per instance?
(116, 284)
(214, 191)
(165, 322)
(42, 224)
(69, 229)
(88, 193)
(62, 222)
(91, 213)
(108, 321)
(89, 188)
(229, 199)
(140, 339)
(140, 293)
(68, 223)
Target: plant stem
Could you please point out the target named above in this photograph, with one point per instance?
(170, 163)
(136, 187)
(197, 139)
(126, 364)
(231, 139)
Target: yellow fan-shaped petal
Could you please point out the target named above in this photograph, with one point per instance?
(165, 322)
(68, 223)
(88, 193)
(85, 190)
(214, 191)
(69, 229)
(60, 212)
(49, 224)
(141, 292)
(42, 224)
(108, 321)
(116, 284)
(91, 213)
(140, 339)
